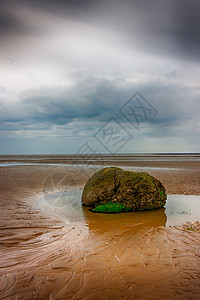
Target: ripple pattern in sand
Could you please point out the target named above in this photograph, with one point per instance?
(98, 256)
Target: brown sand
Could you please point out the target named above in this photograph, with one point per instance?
(44, 258)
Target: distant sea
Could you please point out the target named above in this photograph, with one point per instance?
(71, 159)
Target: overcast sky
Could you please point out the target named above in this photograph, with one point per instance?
(68, 69)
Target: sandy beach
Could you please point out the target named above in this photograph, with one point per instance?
(44, 256)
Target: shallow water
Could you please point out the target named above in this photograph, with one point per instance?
(93, 166)
(67, 205)
(107, 256)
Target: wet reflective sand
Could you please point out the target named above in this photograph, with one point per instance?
(58, 250)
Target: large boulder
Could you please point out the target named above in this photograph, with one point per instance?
(115, 190)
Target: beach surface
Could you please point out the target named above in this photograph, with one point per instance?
(47, 255)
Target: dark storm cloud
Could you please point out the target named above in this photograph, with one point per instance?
(166, 28)
(95, 100)
(63, 8)
(13, 24)
(184, 28)
(171, 27)
(59, 5)
(9, 23)
(89, 99)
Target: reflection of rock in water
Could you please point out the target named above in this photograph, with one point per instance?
(129, 221)
(68, 206)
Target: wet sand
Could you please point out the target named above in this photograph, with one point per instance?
(46, 257)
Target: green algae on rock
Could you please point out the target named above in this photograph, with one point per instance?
(111, 207)
(114, 190)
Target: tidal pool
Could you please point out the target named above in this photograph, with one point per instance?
(67, 205)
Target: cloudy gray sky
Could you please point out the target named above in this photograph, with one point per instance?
(67, 67)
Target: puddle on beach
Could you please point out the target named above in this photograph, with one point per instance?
(179, 209)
